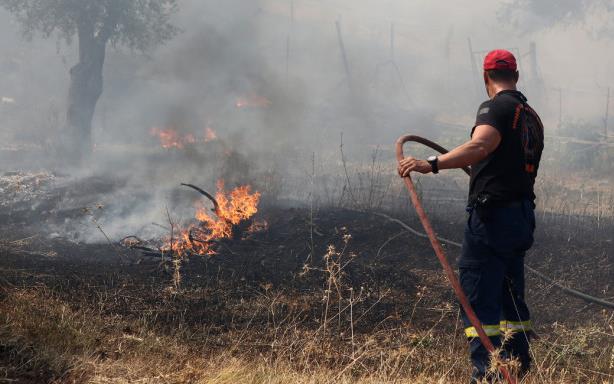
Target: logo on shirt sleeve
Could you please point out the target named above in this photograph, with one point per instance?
(483, 110)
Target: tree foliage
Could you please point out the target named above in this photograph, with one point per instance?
(137, 24)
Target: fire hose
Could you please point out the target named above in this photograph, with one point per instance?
(569, 291)
(460, 294)
(435, 243)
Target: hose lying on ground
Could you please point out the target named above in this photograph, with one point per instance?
(564, 289)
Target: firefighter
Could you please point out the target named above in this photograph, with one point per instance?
(504, 153)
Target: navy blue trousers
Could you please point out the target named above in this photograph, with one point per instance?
(491, 270)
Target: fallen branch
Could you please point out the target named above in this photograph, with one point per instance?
(193, 238)
(136, 244)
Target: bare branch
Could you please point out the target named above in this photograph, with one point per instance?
(216, 205)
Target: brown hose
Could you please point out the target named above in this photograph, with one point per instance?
(439, 250)
(403, 139)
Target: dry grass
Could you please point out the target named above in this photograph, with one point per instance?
(48, 340)
(307, 337)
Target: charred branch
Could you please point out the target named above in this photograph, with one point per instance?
(216, 205)
(135, 242)
(193, 236)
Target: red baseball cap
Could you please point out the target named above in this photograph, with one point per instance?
(500, 59)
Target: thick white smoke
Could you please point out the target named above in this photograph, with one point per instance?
(278, 81)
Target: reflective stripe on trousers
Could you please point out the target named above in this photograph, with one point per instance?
(516, 326)
(504, 326)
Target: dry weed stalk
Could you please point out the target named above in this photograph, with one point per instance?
(92, 345)
(176, 274)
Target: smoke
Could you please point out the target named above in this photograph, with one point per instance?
(535, 15)
(279, 81)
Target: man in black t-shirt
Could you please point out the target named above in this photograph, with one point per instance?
(504, 153)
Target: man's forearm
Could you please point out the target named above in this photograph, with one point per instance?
(485, 140)
(464, 155)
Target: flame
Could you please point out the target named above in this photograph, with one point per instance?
(238, 205)
(258, 226)
(210, 135)
(170, 138)
(253, 101)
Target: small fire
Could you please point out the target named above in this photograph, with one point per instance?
(170, 138)
(253, 101)
(258, 226)
(210, 135)
(233, 208)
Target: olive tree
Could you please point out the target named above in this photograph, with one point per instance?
(96, 24)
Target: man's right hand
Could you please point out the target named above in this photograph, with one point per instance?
(411, 164)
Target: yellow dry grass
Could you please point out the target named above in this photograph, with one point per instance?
(64, 344)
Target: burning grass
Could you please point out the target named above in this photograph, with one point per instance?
(201, 234)
(230, 210)
(171, 138)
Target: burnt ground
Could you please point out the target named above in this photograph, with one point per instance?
(393, 276)
(384, 256)
(271, 260)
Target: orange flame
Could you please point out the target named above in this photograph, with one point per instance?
(240, 204)
(210, 135)
(253, 101)
(170, 138)
(258, 226)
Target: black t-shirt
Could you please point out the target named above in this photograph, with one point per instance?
(508, 173)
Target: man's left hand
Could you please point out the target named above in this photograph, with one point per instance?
(410, 164)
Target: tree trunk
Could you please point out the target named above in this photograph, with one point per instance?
(85, 90)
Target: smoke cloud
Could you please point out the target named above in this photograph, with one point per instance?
(252, 90)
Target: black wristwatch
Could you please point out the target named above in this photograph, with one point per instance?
(433, 160)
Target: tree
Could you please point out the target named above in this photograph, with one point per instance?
(136, 24)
